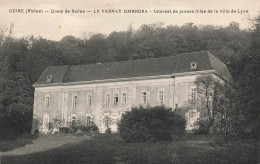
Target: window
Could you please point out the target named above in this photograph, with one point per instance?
(89, 99)
(74, 101)
(72, 119)
(45, 119)
(49, 78)
(88, 121)
(47, 101)
(192, 114)
(193, 94)
(45, 122)
(161, 97)
(116, 99)
(107, 99)
(192, 118)
(193, 65)
(124, 99)
(210, 94)
(144, 97)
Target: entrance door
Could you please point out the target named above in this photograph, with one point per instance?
(192, 116)
(45, 123)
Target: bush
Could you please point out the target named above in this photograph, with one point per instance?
(15, 120)
(151, 124)
(36, 124)
(81, 126)
(90, 128)
(202, 127)
(64, 130)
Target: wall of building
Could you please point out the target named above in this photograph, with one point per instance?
(176, 94)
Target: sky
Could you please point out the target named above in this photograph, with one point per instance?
(54, 26)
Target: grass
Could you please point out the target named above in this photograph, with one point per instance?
(110, 148)
(6, 145)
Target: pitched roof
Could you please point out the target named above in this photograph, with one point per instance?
(58, 73)
(135, 68)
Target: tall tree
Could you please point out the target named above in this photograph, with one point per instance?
(214, 102)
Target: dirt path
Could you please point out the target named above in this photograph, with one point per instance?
(45, 142)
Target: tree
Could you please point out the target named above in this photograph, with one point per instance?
(248, 95)
(214, 102)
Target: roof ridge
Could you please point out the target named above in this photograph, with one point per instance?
(125, 61)
(134, 68)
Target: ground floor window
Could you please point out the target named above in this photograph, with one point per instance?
(89, 121)
(45, 122)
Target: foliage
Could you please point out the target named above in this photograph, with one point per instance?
(151, 124)
(64, 130)
(36, 124)
(202, 127)
(108, 121)
(58, 122)
(81, 125)
(215, 103)
(15, 120)
(22, 61)
(248, 96)
(110, 148)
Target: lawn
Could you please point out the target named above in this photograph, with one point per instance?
(6, 145)
(110, 148)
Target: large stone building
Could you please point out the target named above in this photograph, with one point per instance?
(98, 90)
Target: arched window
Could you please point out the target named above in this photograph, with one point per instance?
(88, 121)
(124, 99)
(161, 97)
(74, 101)
(45, 122)
(107, 99)
(193, 94)
(73, 121)
(47, 101)
(144, 97)
(89, 99)
(116, 99)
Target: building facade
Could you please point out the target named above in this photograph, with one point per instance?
(96, 91)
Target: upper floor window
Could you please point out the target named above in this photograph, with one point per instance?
(144, 97)
(74, 101)
(161, 97)
(124, 98)
(107, 99)
(193, 94)
(116, 99)
(47, 101)
(89, 99)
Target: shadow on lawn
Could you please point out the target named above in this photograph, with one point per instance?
(80, 152)
(7, 145)
(110, 148)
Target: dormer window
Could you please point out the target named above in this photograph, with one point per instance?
(193, 65)
(49, 78)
